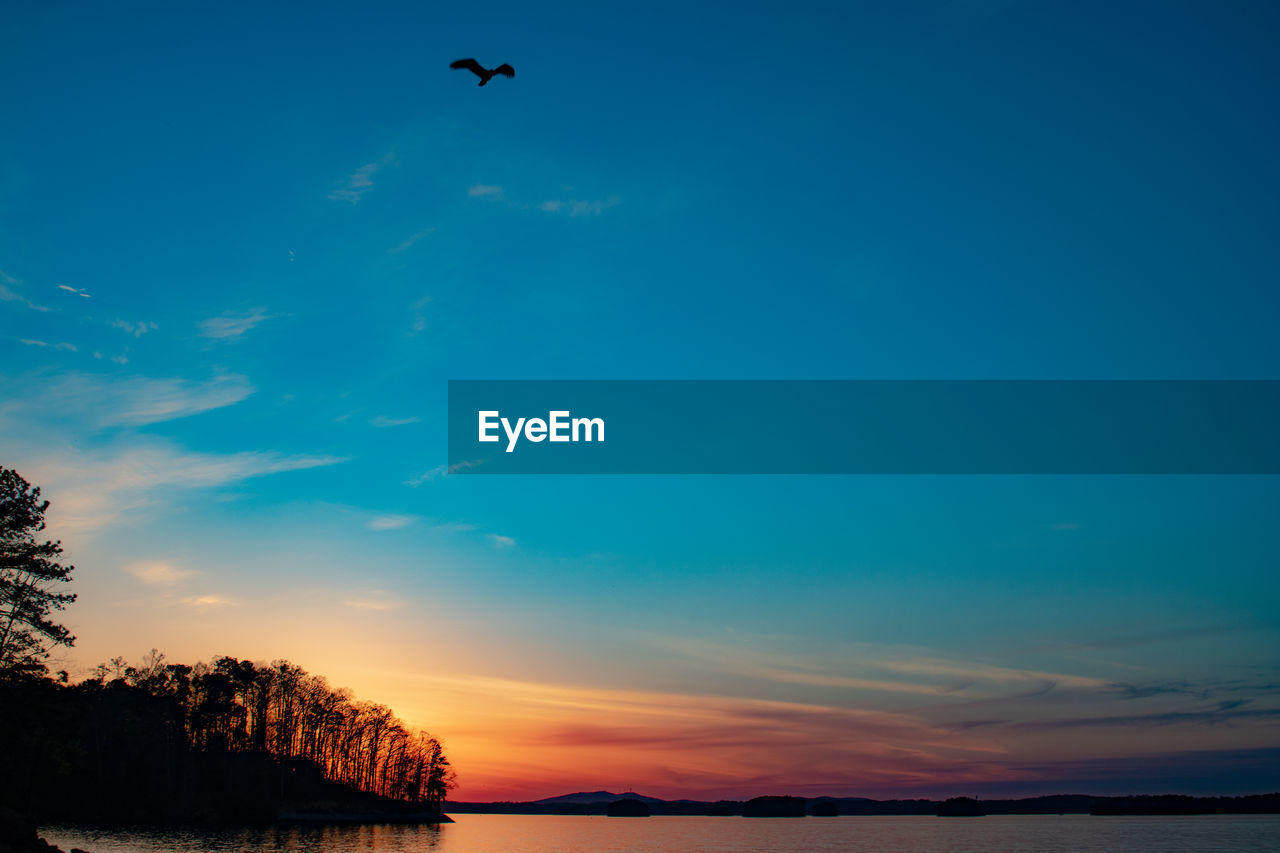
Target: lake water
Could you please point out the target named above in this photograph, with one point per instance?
(553, 834)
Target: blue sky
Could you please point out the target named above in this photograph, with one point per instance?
(243, 250)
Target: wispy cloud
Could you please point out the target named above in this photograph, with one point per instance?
(1123, 638)
(231, 324)
(571, 207)
(453, 527)
(411, 240)
(391, 522)
(426, 476)
(978, 672)
(134, 401)
(501, 542)
(727, 738)
(360, 181)
(375, 599)
(201, 602)
(420, 314)
(98, 488)
(8, 295)
(157, 573)
(137, 329)
(1214, 717)
(869, 670)
(76, 290)
(776, 667)
(59, 346)
(716, 742)
(76, 438)
(579, 207)
(438, 472)
(1167, 688)
(382, 421)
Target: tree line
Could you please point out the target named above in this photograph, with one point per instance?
(226, 740)
(230, 705)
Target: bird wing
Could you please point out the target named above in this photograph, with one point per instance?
(505, 70)
(469, 64)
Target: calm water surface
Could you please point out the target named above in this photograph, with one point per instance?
(551, 834)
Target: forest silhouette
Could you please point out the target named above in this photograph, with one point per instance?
(224, 741)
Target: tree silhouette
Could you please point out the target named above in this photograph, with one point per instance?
(277, 712)
(29, 573)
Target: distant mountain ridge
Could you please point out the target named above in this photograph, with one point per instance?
(597, 803)
(589, 797)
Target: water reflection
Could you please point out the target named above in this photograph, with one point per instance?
(554, 834)
(298, 838)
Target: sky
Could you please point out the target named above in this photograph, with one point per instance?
(243, 248)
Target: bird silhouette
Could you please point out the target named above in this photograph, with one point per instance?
(485, 74)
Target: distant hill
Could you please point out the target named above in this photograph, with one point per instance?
(597, 803)
(587, 797)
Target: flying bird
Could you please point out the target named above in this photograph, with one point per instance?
(485, 74)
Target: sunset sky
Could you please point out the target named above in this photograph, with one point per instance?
(242, 250)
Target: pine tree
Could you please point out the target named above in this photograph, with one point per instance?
(29, 574)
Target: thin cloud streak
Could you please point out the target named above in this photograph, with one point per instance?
(420, 314)
(411, 240)
(97, 488)
(426, 476)
(8, 295)
(202, 602)
(711, 742)
(360, 181)
(64, 346)
(884, 670)
(578, 207)
(392, 522)
(106, 401)
(230, 324)
(573, 208)
(382, 421)
(157, 573)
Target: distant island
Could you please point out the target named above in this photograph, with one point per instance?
(601, 803)
(774, 807)
(627, 807)
(962, 807)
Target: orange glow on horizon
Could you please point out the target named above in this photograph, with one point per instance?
(900, 729)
